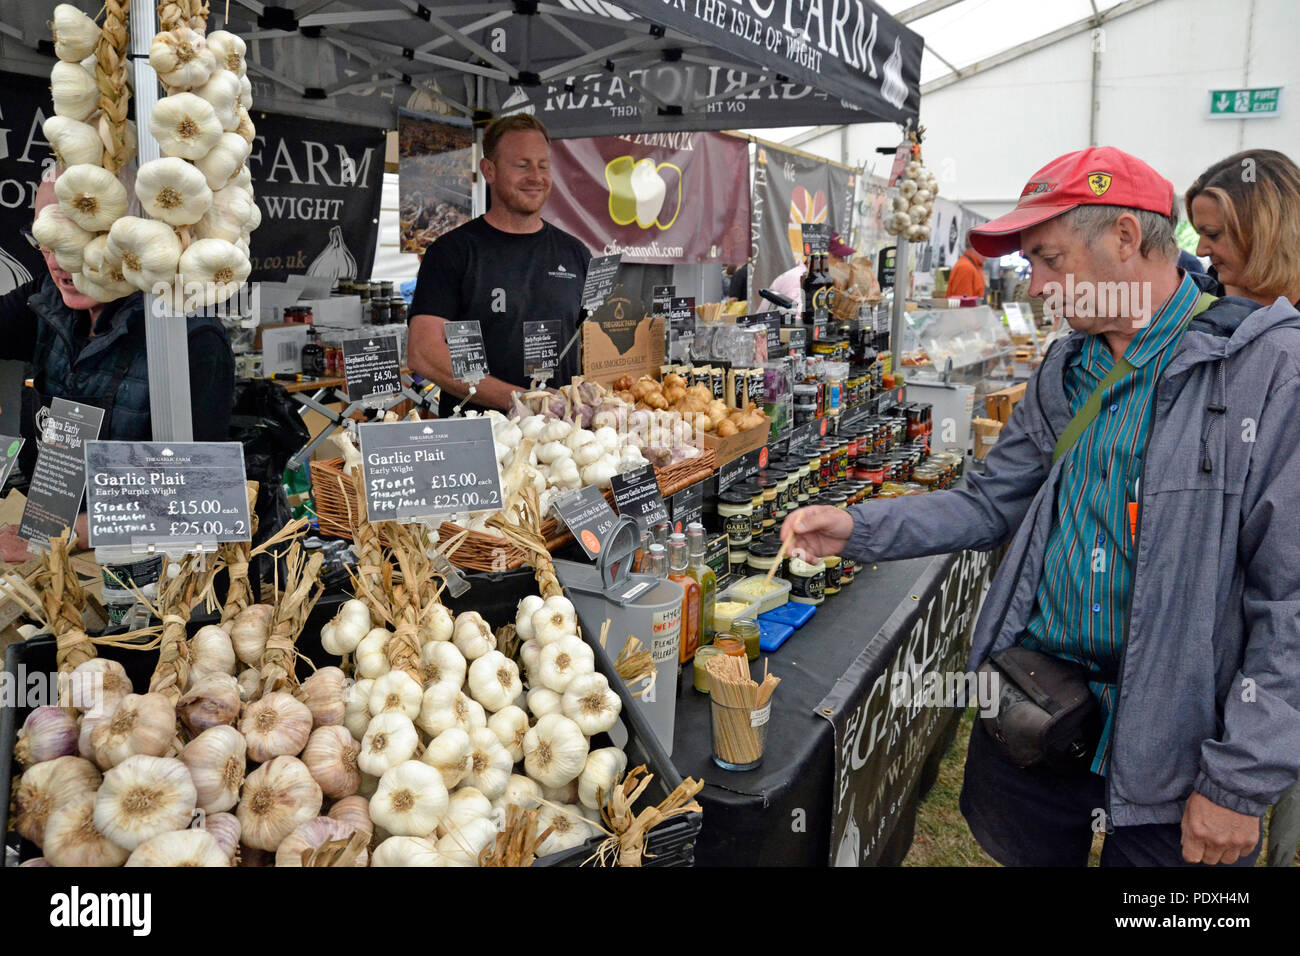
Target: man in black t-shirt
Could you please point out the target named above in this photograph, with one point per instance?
(506, 267)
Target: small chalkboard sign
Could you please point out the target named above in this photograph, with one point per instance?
(601, 273)
(681, 328)
(542, 348)
(661, 297)
(770, 322)
(422, 469)
(371, 367)
(468, 356)
(636, 494)
(59, 478)
(165, 493)
(588, 517)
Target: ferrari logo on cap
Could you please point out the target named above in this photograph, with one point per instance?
(1099, 183)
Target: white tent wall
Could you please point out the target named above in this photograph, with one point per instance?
(390, 261)
(987, 134)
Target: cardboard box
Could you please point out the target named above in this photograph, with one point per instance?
(635, 348)
(998, 404)
(281, 347)
(987, 432)
(733, 446)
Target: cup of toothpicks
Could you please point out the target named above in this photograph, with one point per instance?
(740, 709)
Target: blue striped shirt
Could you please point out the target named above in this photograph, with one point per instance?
(1083, 596)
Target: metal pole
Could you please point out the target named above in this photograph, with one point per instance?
(902, 276)
(166, 341)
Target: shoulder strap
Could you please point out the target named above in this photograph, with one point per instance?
(1092, 408)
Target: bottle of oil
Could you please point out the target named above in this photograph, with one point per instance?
(679, 564)
(704, 577)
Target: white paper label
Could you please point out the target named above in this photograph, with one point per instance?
(757, 718)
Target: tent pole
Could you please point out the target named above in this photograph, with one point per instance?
(166, 341)
(902, 277)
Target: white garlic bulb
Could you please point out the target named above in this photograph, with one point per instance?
(181, 58)
(331, 757)
(466, 804)
(216, 759)
(141, 724)
(510, 724)
(562, 661)
(46, 786)
(555, 619)
(555, 751)
(356, 713)
(245, 92)
(311, 834)
(489, 764)
(472, 635)
(73, 142)
(75, 34)
(72, 838)
(462, 846)
(390, 739)
(174, 191)
(449, 754)
(210, 649)
(530, 652)
(179, 848)
(494, 681)
(100, 291)
(184, 125)
(246, 129)
(56, 232)
(218, 266)
(372, 653)
(601, 772)
(442, 663)
(344, 631)
(229, 50)
(410, 800)
(568, 829)
(149, 252)
(438, 624)
(543, 701)
(277, 725)
(591, 704)
(74, 91)
(406, 851)
(231, 211)
(396, 691)
(213, 699)
(107, 682)
(142, 797)
(524, 616)
(443, 707)
(91, 196)
(252, 625)
(520, 792)
(324, 693)
(276, 798)
(222, 91)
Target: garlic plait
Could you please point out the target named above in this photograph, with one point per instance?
(142, 797)
(185, 125)
(252, 625)
(372, 653)
(72, 141)
(181, 58)
(410, 801)
(179, 848)
(75, 34)
(437, 625)
(172, 190)
(217, 267)
(73, 90)
(149, 253)
(56, 232)
(555, 751)
(556, 618)
(211, 652)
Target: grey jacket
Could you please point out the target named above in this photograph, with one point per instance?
(1209, 688)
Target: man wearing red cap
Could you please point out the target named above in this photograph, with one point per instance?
(1148, 606)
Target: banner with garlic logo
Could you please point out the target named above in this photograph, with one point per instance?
(654, 197)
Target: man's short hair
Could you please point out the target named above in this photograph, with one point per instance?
(516, 123)
(1157, 230)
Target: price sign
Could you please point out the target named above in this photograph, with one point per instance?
(1017, 322)
(686, 506)
(636, 494)
(468, 356)
(797, 340)
(807, 432)
(371, 367)
(59, 478)
(165, 493)
(661, 298)
(681, 328)
(9, 448)
(771, 322)
(601, 272)
(588, 517)
(542, 348)
(421, 469)
(737, 470)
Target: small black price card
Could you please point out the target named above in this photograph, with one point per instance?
(636, 494)
(588, 517)
(59, 478)
(9, 448)
(468, 357)
(681, 328)
(165, 493)
(737, 470)
(601, 273)
(542, 348)
(687, 506)
(371, 367)
(771, 323)
(661, 298)
(421, 469)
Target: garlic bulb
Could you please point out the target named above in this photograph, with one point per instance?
(99, 291)
(73, 141)
(229, 50)
(530, 652)
(510, 724)
(179, 848)
(101, 685)
(466, 805)
(562, 661)
(47, 733)
(489, 764)
(406, 851)
(250, 684)
(410, 801)
(356, 713)
(472, 636)
(142, 797)
(568, 829)
(47, 786)
(524, 616)
(216, 759)
(232, 210)
(331, 758)
(323, 693)
(91, 196)
(346, 629)
(172, 190)
(252, 625)
(75, 34)
(222, 92)
(553, 451)
(74, 90)
(556, 618)
(565, 793)
(72, 837)
(225, 829)
(462, 846)
(218, 266)
(141, 724)
(397, 692)
(442, 663)
(213, 699)
(245, 92)
(372, 653)
(494, 681)
(211, 653)
(56, 232)
(602, 771)
(438, 624)
(590, 703)
(246, 129)
(181, 58)
(443, 707)
(449, 754)
(277, 796)
(149, 252)
(276, 725)
(520, 792)
(312, 834)
(185, 125)
(543, 701)
(555, 751)
(390, 739)
(355, 812)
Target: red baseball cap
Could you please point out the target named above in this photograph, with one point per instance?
(1098, 176)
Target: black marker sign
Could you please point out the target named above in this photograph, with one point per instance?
(601, 272)
(588, 517)
(421, 469)
(371, 367)
(737, 469)
(165, 493)
(468, 357)
(59, 478)
(661, 297)
(681, 328)
(542, 348)
(636, 494)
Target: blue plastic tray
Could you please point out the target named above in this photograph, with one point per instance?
(794, 614)
(772, 635)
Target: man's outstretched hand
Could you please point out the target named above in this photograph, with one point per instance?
(1214, 834)
(817, 531)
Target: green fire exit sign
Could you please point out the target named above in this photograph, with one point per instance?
(1245, 104)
